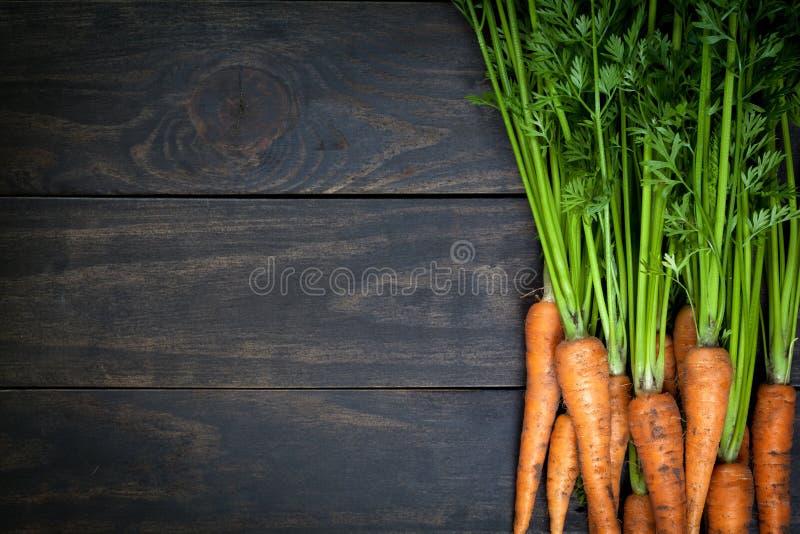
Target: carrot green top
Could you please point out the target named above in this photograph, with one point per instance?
(556, 71)
(738, 72)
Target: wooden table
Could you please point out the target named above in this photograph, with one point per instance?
(159, 162)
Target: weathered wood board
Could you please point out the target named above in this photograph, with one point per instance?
(185, 98)
(151, 378)
(256, 461)
(176, 293)
(264, 460)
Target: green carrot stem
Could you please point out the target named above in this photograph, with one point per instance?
(638, 484)
(782, 287)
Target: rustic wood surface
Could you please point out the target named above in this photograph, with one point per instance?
(155, 292)
(144, 386)
(283, 461)
(162, 293)
(255, 97)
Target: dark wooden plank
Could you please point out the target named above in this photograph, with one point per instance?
(231, 97)
(156, 292)
(283, 461)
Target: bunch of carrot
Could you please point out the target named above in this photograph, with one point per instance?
(649, 141)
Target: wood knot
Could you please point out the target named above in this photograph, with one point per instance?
(241, 110)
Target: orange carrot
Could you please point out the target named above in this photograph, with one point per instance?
(773, 425)
(638, 515)
(620, 391)
(730, 499)
(562, 471)
(704, 391)
(670, 367)
(657, 433)
(684, 338)
(582, 368)
(744, 449)
(542, 333)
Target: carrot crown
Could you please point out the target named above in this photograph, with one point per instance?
(731, 200)
(783, 286)
(556, 74)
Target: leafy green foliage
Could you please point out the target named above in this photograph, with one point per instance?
(617, 125)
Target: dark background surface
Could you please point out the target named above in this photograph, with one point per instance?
(154, 156)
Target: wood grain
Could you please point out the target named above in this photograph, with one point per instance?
(244, 97)
(256, 461)
(157, 292)
(252, 461)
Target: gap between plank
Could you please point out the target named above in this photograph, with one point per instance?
(270, 196)
(234, 388)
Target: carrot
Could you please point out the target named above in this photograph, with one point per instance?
(705, 400)
(657, 433)
(730, 499)
(744, 448)
(773, 425)
(638, 515)
(670, 367)
(582, 368)
(684, 338)
(542, 333)
(562, 471)
(620, 392)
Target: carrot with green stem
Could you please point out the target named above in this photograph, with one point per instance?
(536, 132)
(599, 192)
(655, 421)
(773, 417)
(720, 225)
(701, 225)
(754, 158)
(654, 418)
